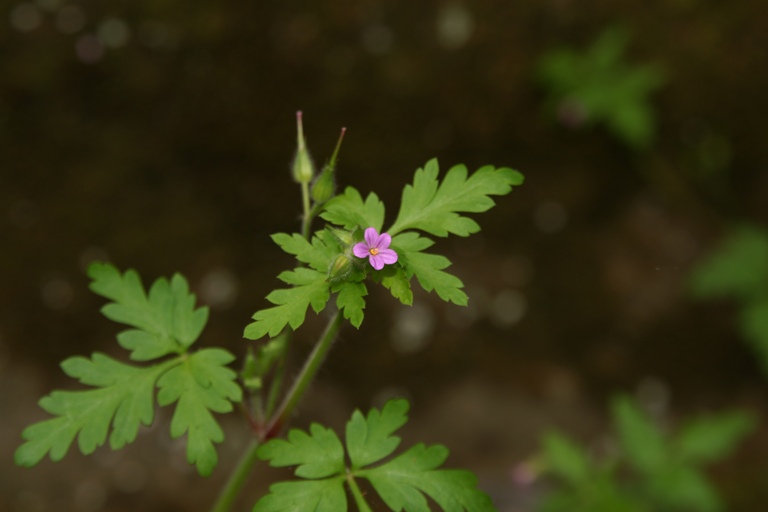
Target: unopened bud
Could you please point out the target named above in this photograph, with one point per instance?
(303, 168)
(324, 187)
(340, 268)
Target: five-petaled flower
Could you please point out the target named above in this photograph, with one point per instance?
(376, 249)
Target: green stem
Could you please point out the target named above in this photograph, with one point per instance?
(237, 479)
(275, 386)
(311, 366)
(362, 505)
(307, 217)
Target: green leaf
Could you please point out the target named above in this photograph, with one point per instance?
(318, 454)
(401, 482)
(737, 268)
(395, 279)
(350, 300)
(566, 459)
(711, 438)
(166, 319)
(600, 87)
(311, 288)
(317, 255)
(349, 210)
(679, 487)
(201, 384)
(431, 206)
(305, 496)
(641, 440)
(370, 439)
(428, 268)
(753, 321)
(124, 400)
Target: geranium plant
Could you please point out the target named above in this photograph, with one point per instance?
(336, 265)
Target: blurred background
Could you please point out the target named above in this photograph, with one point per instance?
(158, 135)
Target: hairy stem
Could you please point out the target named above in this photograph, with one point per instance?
(308, 372)
(237, 479)
(306, 220)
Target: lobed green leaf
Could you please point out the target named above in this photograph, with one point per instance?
(201, 384)
(428, 268)
(351, 301)
(403, 481)
(349, 210)
(318, 454)
(311, 288)
(434, 207)
(124, 401)
(319, 254)
(305, 496)
(369, 438)
(166, 318)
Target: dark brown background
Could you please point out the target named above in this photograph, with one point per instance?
(171, 153)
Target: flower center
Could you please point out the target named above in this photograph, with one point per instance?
(374, 251)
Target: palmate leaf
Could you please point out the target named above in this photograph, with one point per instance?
(350, 300)
(166, 320)
(401, 482)
(428, 268)
(369, 438)
(318, 454)
(434, 207)
(305, 496)
(310, 288)
(349, 210)
(319, 254)
(122, 396)
(124, 399)
(201, 384)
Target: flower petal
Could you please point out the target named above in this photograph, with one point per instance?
(377, 261)
(361, 250)
(383, 241)
(371, 237)
(388, 256)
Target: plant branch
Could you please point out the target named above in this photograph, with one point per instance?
(237, 479)
(362, 505)
(308, 372)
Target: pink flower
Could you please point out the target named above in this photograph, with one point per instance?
(376, 249)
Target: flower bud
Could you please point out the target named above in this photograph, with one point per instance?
(324, 187)
(340, 268)
(303, 168)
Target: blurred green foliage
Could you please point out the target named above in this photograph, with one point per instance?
(649, 470)
(596, 86)
(738, 269)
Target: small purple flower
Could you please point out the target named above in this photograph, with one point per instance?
(376, 249)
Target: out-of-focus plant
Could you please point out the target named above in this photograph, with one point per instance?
(597, 86)
(738, 269)
(650, 470)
